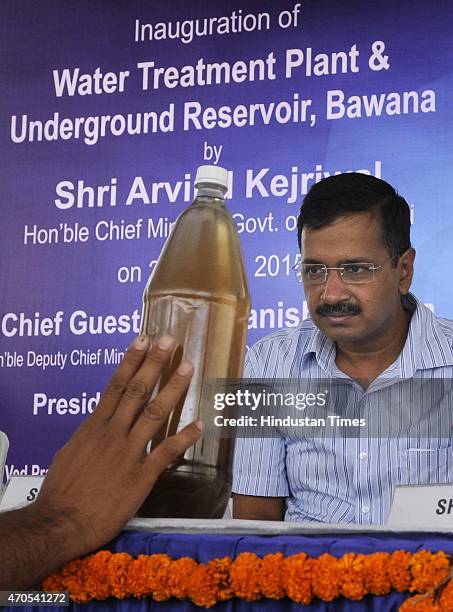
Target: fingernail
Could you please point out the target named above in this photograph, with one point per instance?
(185, 368)
(199, 425)
(140, 342)
(165, 342)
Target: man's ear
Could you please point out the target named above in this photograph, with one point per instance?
(406, 266)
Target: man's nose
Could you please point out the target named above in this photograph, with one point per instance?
(334, 289)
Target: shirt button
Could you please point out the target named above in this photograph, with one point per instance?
(363, 456)
(365, 509)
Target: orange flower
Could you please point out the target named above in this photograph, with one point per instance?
(53, 583)
(158, 572)
(210, 583)
(220, 572)
(179, 574)
(244, 573)
(352, 584)
(446, 597)
(297, 578)
(117, 570)
(428, 570)
(375, 576)
(398, 570)
(73, 579)
(97, 583)
(326, 577)
(272, 576)
(202, 588)
(139, 576)
(414, 604)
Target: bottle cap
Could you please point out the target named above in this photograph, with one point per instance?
(213, 175)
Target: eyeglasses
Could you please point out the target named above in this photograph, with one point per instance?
(355, 273)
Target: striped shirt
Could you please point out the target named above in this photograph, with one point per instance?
(352, 479)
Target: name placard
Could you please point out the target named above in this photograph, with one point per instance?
(20, 491)
(422, 506)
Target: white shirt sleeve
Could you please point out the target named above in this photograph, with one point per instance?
(259, 466)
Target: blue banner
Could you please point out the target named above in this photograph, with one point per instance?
(106, 113)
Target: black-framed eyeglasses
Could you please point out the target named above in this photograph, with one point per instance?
(351, 273)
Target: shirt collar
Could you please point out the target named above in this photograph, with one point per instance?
(323, 349)
(426, 345)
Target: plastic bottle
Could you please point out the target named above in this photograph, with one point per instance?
(198, 293)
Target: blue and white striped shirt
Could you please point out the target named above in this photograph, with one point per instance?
(350, 479)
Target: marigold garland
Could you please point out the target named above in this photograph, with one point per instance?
(249, 577)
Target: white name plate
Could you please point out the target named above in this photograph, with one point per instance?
(20, 491)
(424, 506)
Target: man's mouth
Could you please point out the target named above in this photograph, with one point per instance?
(337, 319)
(337, 312)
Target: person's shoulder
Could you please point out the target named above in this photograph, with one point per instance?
(446, 325)
(433, 337)
(429, 323)
(442, 329)
(284, 338)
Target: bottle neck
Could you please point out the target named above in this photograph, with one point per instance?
(211, 191)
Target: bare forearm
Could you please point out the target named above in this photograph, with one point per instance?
(33, 544)
(99, 479)
(258, 508)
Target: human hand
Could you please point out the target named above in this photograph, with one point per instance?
(99, 479)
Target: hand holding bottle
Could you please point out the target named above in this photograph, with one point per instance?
(100, 477)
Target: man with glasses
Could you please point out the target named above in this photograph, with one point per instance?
(367, 331)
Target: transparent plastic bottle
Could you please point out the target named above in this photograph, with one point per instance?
(198, 293)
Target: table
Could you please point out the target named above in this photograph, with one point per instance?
(312, 539)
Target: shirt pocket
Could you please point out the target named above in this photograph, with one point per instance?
(426, 462)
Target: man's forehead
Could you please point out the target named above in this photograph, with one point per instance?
(351, 236)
